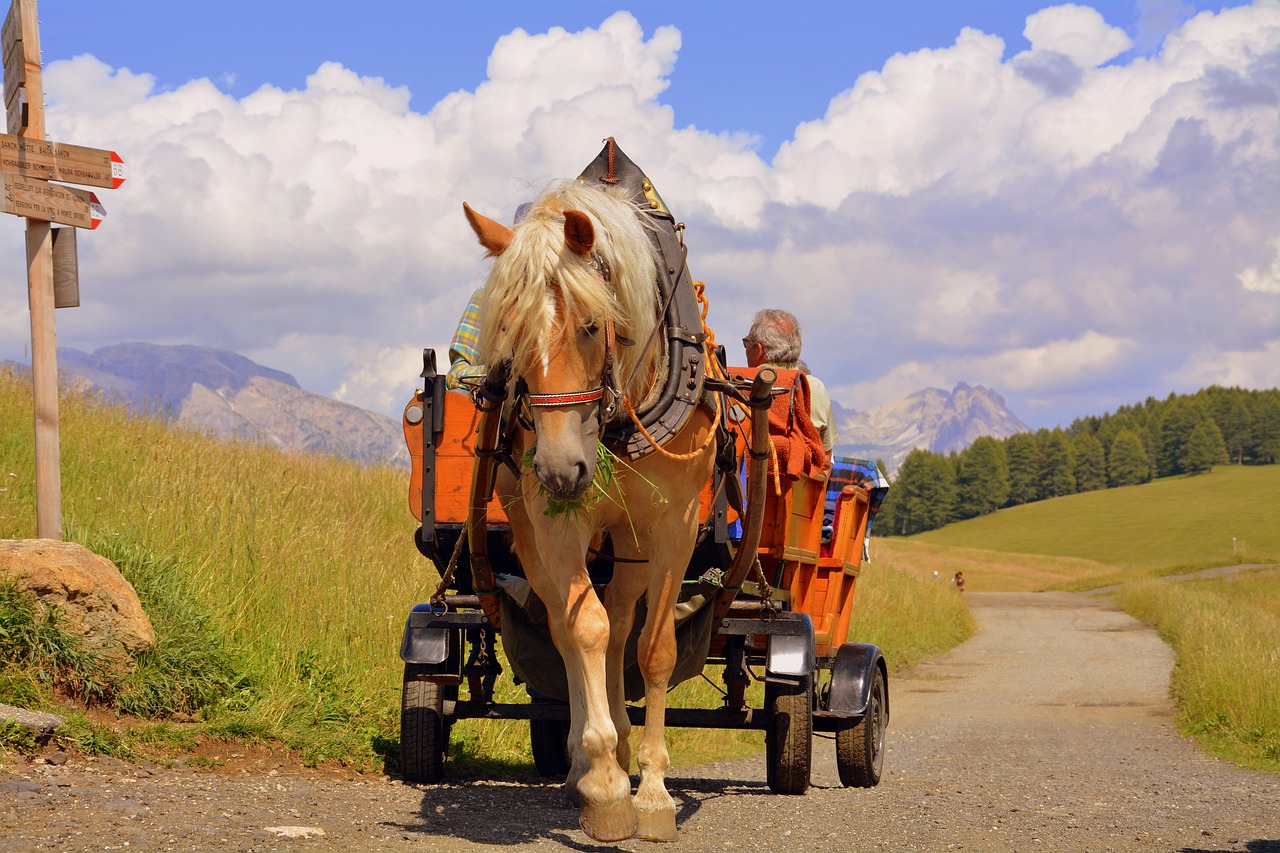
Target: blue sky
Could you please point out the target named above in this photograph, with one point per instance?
(1074, 205)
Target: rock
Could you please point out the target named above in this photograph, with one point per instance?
(295, 831)
(92, 597)
(42, 724)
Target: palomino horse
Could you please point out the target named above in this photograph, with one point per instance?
(571, 301)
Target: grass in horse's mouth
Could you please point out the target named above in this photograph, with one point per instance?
(606, 468)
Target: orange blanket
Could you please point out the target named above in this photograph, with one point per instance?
(796, 441)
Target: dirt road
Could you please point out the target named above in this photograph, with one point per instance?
(1051, 730)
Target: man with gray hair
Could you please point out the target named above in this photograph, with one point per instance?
(774, 341)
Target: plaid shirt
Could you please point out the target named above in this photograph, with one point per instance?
(464, 351)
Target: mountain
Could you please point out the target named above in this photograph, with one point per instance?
(231, 396)
(931, 419)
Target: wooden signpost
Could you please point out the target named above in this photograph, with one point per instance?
(28, 162)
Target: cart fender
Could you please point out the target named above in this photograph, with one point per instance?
(851, 673)
(421, 644)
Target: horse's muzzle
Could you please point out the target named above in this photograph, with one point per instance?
(565, 484)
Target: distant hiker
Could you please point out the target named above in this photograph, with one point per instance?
(958, 580)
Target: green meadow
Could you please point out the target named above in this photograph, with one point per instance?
(278, 585)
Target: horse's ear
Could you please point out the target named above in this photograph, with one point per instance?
(579, 233)
(494, 236)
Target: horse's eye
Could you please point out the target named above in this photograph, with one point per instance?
(591, 328)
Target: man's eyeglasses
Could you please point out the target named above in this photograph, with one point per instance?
(748, 343)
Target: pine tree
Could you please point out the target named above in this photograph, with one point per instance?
(1057, 465)
(1023, 452)
(923, 496)
(1091, 463)
(983, 478)
(1127, 462)
(1264, 429)
(1203, 449)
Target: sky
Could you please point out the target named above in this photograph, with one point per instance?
(1077, 206)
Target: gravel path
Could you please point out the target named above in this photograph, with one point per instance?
(1051, 730)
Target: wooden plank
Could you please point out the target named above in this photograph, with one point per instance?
(16, 113)
(57, 161)
(10, 33)
(15, 73)
(66, 269)
(21, 31)
(36, 199)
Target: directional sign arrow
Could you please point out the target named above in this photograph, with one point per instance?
(55, 161)
(36, 199)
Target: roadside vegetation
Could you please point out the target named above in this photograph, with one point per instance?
(278, 585)
(1223, 629)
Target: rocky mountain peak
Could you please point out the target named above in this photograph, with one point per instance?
(931, 419)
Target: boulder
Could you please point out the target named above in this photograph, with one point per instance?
(92, 597)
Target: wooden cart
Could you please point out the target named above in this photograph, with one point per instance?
(789, 631)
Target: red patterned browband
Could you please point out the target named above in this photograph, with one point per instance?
(574, 398)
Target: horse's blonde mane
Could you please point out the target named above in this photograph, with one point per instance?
(515, 319)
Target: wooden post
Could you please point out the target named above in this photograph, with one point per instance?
(28, 163)
(44, 378)
(25, 102)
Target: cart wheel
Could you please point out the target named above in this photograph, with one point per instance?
(788, 741)
(550, 742)
(860, 747)
(424, 736)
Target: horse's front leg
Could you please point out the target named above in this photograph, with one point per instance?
(620, 597)
(580, 627)
(656, 650)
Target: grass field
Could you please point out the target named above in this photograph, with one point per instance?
(1099, 538)
(279, 584)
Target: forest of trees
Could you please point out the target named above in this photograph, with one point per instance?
(1182, 434)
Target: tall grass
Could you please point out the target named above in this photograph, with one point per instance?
(1227, 679)
(302, 565)
(906, 610)
(292, 575)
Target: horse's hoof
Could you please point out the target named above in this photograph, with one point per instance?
(656, 824)
(609, 823)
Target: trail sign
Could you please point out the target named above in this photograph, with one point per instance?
(27, 163)
(56, 161)
(42, 200)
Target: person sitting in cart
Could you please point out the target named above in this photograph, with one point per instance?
(774, 341)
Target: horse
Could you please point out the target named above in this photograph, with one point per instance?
(571, 303)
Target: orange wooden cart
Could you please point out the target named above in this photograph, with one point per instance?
(787, 625)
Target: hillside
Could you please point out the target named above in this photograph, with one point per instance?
(931, 419)
(231, 396)
(1223, 517)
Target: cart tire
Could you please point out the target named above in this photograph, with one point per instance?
(424, 735)
(550, 742)
(860, 747)
(789, 739)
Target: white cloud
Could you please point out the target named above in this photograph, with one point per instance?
(1211, 365)
(1263, 279)
(1061, 219)
(1076, 32)
(1053, 365)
